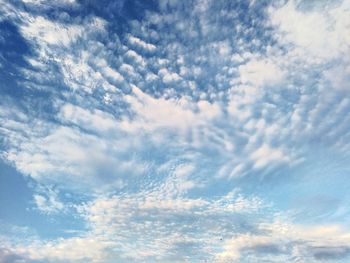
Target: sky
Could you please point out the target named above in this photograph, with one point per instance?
(174, 131)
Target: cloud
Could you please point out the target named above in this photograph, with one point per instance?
(286, 241)
(97, 120)
(41, 2)
(145, 128)
(318, 32)
(168, 77)
(338, 76)
(182, 114)
(139, 43)
(46, 31)
(260, 72)
(48, 202)
(265, 155)
(47, 205)
(7, 256)
(164, 213)
(43, 157)
(148, 225)
(136, 58)
(77, 249)
(330, 253)
(199, 115)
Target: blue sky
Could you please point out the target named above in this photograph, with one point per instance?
(174, 131)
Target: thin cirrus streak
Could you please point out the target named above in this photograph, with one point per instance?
(174, 131)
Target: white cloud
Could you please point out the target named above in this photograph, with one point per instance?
(115, 75)
(287, 240)
(260, 73)
(148, 157)
(265, 155)
(339, 75)
(95, 120)
(182, 114)
(319, 32)
(168, 77)
(49, 204)
(137, 58)
(76, 249)
(135, 41)
(45, 31)
(128, 226)
(62, 3)
(56, 43)
(163, 213)
(76, 160)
